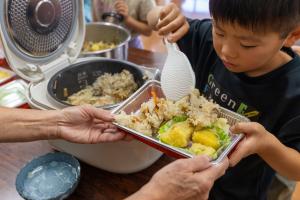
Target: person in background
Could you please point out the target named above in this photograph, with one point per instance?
(87, 11)
(242, 59)
(134, 14)
(182, 179)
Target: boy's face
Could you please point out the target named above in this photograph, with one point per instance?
(242, 50)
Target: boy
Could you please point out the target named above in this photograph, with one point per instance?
(243, 61)
(134, 13)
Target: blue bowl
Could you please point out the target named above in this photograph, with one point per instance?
(52, 176)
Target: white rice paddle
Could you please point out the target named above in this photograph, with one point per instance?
(177, 76)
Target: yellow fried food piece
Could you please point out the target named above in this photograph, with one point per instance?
(206, 137)
(199, 149)
(95, 47)
(178, 135)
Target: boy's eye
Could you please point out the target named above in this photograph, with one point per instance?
(219, 34)
(248, 46)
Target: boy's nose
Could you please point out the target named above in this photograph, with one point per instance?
(229, 51)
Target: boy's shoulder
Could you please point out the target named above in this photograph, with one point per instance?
(292, 68)
(200, 30)
(200, 24)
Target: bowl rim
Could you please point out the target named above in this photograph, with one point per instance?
(112, 25)
(46, 158)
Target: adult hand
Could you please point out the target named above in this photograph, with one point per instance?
(254, 141)
(87, 124)
(169, 22)
(122, 8)
(183, 179)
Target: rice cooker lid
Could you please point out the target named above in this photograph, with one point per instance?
(40, 34)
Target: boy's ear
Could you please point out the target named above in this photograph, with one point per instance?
(292, 37)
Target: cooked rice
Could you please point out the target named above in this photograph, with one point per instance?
(200, 112)
(107, 89)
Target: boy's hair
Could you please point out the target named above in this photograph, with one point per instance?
(280, 16)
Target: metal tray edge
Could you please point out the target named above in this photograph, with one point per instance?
(166, 146)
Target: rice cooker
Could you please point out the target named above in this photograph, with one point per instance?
(43, 37)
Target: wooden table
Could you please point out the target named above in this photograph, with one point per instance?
(94, 183)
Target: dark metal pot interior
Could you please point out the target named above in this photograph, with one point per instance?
(76, 77)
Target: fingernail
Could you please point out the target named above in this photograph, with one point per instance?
(209, 158)
(206, 158)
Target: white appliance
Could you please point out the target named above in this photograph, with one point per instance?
(42, 37)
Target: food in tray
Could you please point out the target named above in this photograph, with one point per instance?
(178, 134)
(107, 89)
(97, 46)
(190, 124)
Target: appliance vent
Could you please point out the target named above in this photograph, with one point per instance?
(39, 27)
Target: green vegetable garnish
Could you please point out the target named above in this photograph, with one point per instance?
(169, 123)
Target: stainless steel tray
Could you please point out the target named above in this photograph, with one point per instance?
(133, 104)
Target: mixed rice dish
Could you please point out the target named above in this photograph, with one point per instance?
(106, 90)
(190, 124)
